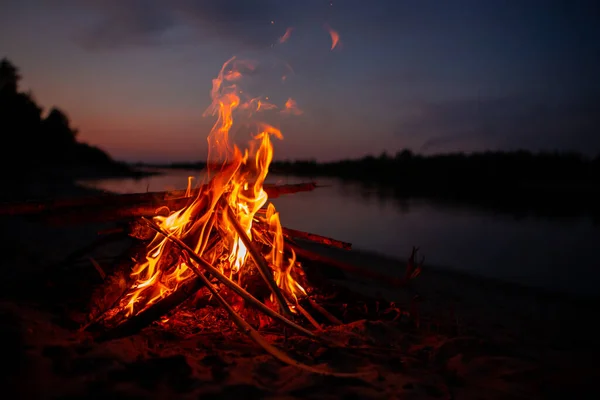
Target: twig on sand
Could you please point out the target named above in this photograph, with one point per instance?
(98, 268)
(308, 317)
(413, 268)
(324, 312)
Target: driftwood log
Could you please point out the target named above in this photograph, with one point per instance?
(133, 325)
(114, 206)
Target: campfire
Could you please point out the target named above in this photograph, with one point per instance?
(225, 230)
(221, 243)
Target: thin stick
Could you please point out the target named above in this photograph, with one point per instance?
(324, 312)
(350, 268)
(253, 334)
(293, 233)
(260, 261)
(229, 283)
(98, 268)
(309, 317)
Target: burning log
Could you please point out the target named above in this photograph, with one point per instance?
(263, 268)
(109, 302)
(138, 322)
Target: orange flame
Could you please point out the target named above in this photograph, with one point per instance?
(235, 179)
(291, 107)
(286, 35)
(335, 37)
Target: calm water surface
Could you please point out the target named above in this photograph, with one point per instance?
(555, 254)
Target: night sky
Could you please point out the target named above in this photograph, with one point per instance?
(431, 76)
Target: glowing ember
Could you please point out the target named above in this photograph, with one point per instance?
(235, 190)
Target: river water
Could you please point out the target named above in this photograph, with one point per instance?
(556, 254)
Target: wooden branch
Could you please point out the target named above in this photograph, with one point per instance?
(308, 317)
(138, 322)
(110, 208)
(109, 316)
(295, 234)
(106, 214)
(127, 203)
(260, 261)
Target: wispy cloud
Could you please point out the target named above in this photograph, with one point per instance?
(253, 23)
(507, 122)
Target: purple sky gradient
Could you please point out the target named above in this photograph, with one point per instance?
(432, 76)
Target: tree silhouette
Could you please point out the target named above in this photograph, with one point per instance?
(9, 77)
(56, 127)
(404, 155)
(37, 144)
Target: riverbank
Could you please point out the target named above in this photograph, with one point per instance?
(476, 338)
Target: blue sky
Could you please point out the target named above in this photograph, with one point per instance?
(432, 76)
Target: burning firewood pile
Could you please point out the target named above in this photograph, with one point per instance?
(217, 251)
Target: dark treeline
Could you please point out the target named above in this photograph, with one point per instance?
(43, 146)
(520, 183)
(457, 171)
(545, 182)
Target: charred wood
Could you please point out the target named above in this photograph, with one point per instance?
(153, 313)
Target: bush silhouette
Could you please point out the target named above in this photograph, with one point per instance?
(37, 142)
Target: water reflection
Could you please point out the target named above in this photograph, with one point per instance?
(556, 253)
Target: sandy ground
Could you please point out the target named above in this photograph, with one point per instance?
(472, 338)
